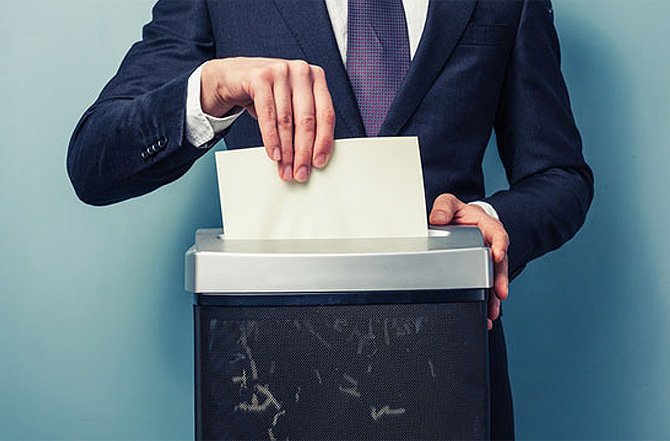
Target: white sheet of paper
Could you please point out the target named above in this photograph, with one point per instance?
(372, 187)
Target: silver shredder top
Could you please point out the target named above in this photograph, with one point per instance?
(448, 258)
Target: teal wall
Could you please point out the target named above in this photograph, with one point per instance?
(95, 329)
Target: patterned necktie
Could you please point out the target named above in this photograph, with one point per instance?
(377, 56)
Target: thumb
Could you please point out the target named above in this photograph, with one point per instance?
(444, 208)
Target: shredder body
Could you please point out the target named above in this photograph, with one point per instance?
(365, 339)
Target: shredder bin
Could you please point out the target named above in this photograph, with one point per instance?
(351, 339)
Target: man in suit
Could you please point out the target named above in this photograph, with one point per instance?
(287, 75)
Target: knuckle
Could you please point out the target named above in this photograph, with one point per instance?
(318, 71)
(322, 145)
(446, 197)
(306, 122)
(328, 116)
(285, 120)
(280, 68)
(264, 74)
(444, 200)
(301, 68)
(287, 155)
(267, 113)
(501, 233)
(303, 156)
(271, 142)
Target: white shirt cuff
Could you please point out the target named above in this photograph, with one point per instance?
(488, 208)
(200, 127)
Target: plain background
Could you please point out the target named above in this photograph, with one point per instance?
(95, 328)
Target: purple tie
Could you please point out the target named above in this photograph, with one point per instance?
(377, 56)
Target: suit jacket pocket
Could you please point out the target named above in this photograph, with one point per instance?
(485, 34)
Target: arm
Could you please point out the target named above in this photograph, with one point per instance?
(551, 187)
(138, 135)
(131, 140)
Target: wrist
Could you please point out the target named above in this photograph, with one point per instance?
(486, 208)
(213, 91)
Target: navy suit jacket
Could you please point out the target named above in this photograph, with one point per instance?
(480, 65)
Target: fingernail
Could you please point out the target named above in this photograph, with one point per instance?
(439, 217)
(276, 154)
(320, 160)
(288, 172)
(302, 173)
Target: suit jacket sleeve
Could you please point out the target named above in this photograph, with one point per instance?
(551, 186)
(132, 139)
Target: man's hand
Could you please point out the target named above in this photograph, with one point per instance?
(290, 100)
(448, 209)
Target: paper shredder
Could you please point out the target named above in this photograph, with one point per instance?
(356, 339)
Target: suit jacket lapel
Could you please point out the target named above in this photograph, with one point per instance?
(310, 25)
(445, 23)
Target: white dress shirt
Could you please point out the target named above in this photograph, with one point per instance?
(201, 128)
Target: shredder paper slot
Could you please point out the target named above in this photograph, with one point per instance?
(454, 258)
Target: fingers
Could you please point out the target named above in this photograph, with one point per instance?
(449, 209)
(295, 114)
(444, 208)
(501, 278)
(493, 309)
(283, 103)
(266, 113)
(325, 119)
(305, 119)
(496, 237)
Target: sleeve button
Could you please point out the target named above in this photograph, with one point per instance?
(153, 148)
(162, 142)
(144, 155)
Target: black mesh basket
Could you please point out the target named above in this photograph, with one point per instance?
(411, 370)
